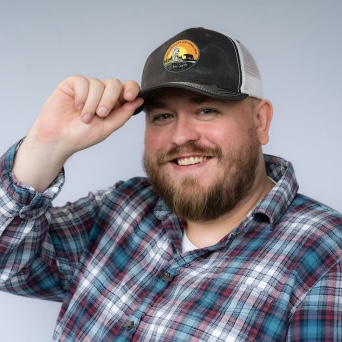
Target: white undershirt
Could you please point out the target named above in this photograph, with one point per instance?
(187, 245)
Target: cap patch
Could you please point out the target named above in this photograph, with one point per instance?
(181, 56)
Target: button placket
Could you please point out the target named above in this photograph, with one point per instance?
(166, 277)
(129, 325)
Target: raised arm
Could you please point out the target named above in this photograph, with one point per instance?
(81, 112)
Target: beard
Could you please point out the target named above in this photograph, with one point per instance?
(187, 198)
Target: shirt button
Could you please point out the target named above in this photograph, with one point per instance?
(166, 277)
(129, 325)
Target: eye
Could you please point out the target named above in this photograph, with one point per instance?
(207, 113)
(160, 119)
(207, 110)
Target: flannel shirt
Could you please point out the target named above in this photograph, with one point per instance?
(114, 259)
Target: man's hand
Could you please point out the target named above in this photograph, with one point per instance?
(82, 112)
(79, 113)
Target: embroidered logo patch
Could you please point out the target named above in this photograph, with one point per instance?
(180, 56)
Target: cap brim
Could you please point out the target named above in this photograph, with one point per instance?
(206, 90)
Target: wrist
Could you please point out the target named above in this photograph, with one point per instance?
(37, 164)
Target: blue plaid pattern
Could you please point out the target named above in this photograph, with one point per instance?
(114, 259)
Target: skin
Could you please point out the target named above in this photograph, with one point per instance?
(176, 117)
(82, 112)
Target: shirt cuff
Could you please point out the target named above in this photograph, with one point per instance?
(17, 197)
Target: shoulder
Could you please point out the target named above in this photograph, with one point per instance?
(307, 212)
(135, 185)
(307, 223)
(136, 192)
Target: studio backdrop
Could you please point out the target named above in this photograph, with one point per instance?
(297, 45)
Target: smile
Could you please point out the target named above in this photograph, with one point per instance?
(191, 160)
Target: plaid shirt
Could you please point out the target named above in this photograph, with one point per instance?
(114, 258)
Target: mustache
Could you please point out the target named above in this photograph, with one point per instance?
(188, 148)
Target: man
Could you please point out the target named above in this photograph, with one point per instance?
(214, 245)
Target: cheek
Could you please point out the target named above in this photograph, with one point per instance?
(154, 142)
(232, 138)
(222, 135)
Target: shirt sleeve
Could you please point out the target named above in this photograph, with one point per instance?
(319, 315)
(40, 245)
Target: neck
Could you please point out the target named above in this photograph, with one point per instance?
(208, 233)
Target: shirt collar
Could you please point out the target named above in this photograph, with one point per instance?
(277, 201)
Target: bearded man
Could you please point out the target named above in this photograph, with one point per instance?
(215, 244)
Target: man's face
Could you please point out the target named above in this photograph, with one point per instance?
(201, 154)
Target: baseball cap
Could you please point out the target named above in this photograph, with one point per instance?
(203, 61)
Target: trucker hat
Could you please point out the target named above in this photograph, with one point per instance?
(203, 61)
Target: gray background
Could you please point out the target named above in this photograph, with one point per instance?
(297, 45)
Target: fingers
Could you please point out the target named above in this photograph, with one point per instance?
(96, 97)
(115, 94)
(130, 91)
(93, 97)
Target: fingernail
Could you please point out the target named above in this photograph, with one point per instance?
(80, 106)
(129, 95)
(87, 117)
(102, 111)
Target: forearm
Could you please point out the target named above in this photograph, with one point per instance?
(37, 164)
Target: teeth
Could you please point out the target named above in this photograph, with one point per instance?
(191, 160)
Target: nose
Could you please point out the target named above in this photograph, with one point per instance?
(184, 130)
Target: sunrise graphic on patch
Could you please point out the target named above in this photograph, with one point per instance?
(180, 56)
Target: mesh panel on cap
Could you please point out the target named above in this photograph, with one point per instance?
(251, 83)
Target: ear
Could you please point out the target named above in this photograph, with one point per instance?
(263, 116)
